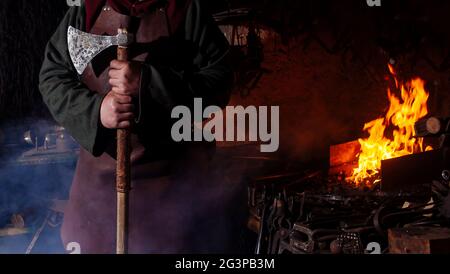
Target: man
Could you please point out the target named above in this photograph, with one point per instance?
(179, 54)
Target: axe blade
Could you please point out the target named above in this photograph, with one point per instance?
(83, 46)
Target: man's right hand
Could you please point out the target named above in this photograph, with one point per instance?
(116, 111)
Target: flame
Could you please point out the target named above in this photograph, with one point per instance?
(402, 115)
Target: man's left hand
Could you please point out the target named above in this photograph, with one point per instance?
(124, 77)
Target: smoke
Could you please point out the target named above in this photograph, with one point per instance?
(207, 202)
(29, 181)
(25, 27)
(224, 208)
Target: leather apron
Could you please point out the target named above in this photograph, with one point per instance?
(162, 200)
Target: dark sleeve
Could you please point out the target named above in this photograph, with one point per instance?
(70, 102)
(208, 76)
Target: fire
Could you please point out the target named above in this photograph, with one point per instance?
(400, 118)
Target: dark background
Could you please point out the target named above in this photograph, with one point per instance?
(325, 65)
(328, 48)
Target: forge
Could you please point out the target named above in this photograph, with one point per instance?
(382, 193)
(324, 213)
(396, 174)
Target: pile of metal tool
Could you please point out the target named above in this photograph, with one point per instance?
(339, 220)
(311, 212)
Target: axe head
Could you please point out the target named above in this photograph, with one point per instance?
(83, 46)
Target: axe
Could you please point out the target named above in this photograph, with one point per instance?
(83, 47)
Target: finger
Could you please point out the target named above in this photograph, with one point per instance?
(114, 73)
(121, 108)
(116, 64)
(124, 125)
(128, 116)
(123, 99)
(124, 108)
(115, 83)
(121, 91)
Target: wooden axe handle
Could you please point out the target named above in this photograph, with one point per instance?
(123, 176)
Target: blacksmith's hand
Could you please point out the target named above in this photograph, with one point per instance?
(116, 111)
(124, 77)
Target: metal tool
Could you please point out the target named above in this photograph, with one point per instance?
(83, 47)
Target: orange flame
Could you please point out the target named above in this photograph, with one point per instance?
(402, 115)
